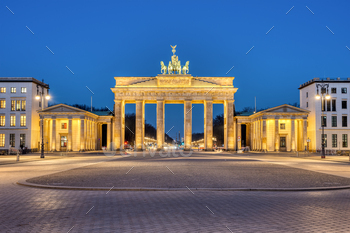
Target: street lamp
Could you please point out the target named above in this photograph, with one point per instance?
(41, 95)
(324, 95)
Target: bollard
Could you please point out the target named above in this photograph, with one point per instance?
(17, 156)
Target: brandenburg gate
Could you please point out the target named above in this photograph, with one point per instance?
(174, 86)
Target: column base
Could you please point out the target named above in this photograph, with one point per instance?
(208, 149)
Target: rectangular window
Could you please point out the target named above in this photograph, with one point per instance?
(334, 121)
(2, 140)
(324, 121)
(328, 105)
(345, 140)
(307, 94)
(344, 104)
(344, 90)
(64, 126)
(2, 120)
(333, 90)
(23, 90)
(23, 120)
(22, 138)
(13, 90)
(13, 121)
(334, 105)
(23, 105)
(344, 121)
(18, 105)
(334, 140)
(2, 103)
(12, 139)
(324, 139)
(13, 105)
(2, 89)
(307, 104)
(282, 126)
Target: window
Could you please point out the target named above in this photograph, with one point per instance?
(282, 126)
(344, 90)
(2, 89)
(23, 120)
(334, 121)
(2, 120)
(39, 104)
(64, 126)
(333, 90)
(344, 121)
(13, 90)
(334, 140)
(2, 140)
(334, 105)
(23, 105)
(12, 140)
(2, 103)
(345, 140)
(13, 105)
(22, 140)
(23, 90)
(324, 139)
(328, 105)
(324, 121)
(13, 120)
(307, 104)
(344, 104)
(307, 94)
(18, 105)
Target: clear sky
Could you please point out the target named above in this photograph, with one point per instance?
(98, 40)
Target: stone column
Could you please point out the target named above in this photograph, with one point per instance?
(70, 130)
(292, 134)
(119, 124)
(160, 124)
(239, 136)
(53, 138)
(208, 125)
(109, 132)
(229, 132)
(277, 136)
(139, 124)
(264, 135)
(248, 135)
(82, 133)
(304, 133)
(188, 124)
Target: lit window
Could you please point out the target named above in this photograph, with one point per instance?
(2, 103)
(345, 140)
(22, 141)
(23, 105)
(333, 90)
(2, 120)
(64, 126)
(12, 140)
(2, 140)
(334, 140)
(13, 120)
(23, 120)
(23, 90)
(13, 90)
(18, 105)
(282, 126)
(344, 90)
(2, 89)
(13, 105)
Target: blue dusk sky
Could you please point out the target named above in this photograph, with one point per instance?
(273, 47)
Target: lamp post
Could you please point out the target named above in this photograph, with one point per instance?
(324, 95)
(41, 95)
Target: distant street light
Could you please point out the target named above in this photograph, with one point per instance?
(37, 97)
(324, 95)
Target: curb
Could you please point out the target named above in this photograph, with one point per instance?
(25, 183)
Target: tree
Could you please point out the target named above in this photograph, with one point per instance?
(218, 129)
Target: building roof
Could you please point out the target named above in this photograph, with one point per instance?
(102, 113)
(23, 79)
(327, 80)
